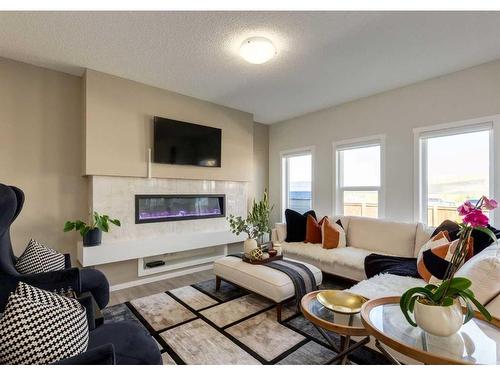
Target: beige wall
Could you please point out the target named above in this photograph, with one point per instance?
(43, 144)
(119, 130)
(463, 95)
(40, 151)
(260, 178)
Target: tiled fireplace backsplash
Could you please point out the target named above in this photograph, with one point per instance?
(115, 196)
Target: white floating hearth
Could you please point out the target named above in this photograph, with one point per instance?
(117, 251)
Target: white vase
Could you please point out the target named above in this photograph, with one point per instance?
(439, 320)
(249, 245)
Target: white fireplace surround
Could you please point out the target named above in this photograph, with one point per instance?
(115, 196)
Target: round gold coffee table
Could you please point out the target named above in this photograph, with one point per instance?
(476, 342)
(345, 324)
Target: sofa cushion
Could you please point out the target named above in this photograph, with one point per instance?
(332, 234)
(38, 258)
(39, 328)
(346, 257)
(382, 236)
(494, 307)
(279, 232)
(305, 250)
(480, 239)
(296, 225)
(313, 229)
(483, 270)
(422, 235)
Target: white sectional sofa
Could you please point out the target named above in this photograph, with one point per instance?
(366, 236)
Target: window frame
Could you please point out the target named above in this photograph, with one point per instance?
(339, 189)
(420, 135)
(308, 150)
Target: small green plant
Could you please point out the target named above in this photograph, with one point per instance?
(258, 221)
(96, 221)
(442, 295)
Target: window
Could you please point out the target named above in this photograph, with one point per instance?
(359, 178)
(455, 166)
(297, 180)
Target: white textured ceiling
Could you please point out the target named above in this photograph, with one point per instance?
(324, 58)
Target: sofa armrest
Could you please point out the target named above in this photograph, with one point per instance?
(67, 261)
(279, 232)
(86, 302)
(100, 355)
(54, 280)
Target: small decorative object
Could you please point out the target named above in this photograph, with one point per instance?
(249, 244)
(277, 247)
(265, 256)
(272, 252)
(92, 233)
(340, 301)
(256, 254)
(256, 225)
(437, 308)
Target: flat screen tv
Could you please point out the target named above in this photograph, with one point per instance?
(178, 142)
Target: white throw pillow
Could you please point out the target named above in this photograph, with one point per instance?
(483, 270)
(39, 327)
(39, 258)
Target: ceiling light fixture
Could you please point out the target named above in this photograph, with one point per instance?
(257, 50)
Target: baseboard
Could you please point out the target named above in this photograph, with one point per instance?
(169, 275)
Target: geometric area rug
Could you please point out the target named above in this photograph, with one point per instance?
(197, 325)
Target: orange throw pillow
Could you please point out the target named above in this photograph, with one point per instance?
(313, 229)
(333, 235)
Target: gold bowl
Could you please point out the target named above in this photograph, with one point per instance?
(340, 301)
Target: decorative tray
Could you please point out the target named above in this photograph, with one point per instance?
(263, 261)
(341, 302)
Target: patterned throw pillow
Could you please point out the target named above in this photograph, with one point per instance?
(435, 255)
(39, 327)
(333, 235)
(38, 258)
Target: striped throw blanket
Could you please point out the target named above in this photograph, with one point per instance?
(302, 278)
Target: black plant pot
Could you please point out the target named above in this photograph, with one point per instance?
(92, 238)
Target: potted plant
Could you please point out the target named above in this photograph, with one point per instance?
(437, 308)
(92, 233)
(256, 225)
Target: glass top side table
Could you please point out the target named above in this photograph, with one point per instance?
(477, 342)
(346, 325)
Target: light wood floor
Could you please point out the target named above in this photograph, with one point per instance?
(128, 294)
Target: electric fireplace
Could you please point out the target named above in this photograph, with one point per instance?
(155, 208)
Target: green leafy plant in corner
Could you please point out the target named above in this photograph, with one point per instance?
(96, 221)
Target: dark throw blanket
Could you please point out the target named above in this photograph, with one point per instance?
(376, 264)
(302, 278)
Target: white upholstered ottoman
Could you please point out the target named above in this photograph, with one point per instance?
(262, 280)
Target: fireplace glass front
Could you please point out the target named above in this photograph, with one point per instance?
(154, 208)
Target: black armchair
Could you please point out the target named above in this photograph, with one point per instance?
(80, 280)
(122, 343)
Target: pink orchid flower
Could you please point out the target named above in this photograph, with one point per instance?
(476, 219)
(465, 208)
(489, 204)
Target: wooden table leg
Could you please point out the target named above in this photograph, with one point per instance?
(279, 308)
(217, 283)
